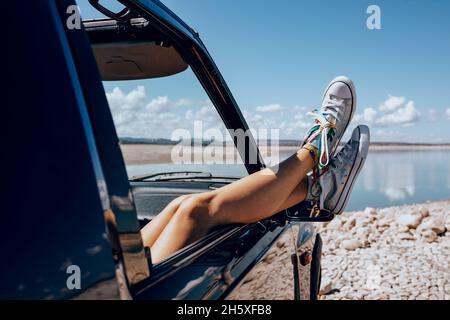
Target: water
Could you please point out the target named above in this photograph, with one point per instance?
(389, 178)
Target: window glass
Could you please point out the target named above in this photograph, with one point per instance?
(169, 124)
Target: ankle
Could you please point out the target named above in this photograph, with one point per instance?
(313, 152)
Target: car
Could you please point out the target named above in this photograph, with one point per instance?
(71, 216)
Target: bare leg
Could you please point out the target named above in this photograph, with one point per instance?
(153, 230)
(251, 199)
(298, 195)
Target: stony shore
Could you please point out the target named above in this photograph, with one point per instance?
(375, 254)
(393, 253)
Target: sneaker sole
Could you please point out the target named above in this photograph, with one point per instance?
(362, 135)
(352, 89)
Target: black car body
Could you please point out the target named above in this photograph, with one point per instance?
(68, 197)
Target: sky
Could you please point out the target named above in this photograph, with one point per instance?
(278, 56)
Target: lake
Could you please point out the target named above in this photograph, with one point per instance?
(389, 178)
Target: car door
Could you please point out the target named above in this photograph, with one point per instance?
(53, 239)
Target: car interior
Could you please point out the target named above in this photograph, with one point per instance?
(148, 55)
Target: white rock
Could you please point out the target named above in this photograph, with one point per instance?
(335, 224)
(351, 244)
(341, 238)
(362, 232)
(326, 286)
(429, 236)
(371, 211)
(409, 220)
(436, 224)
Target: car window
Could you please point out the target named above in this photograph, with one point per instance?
(169, 124)
(166, 121)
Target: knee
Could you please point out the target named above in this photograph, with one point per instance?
(175, 203)
(197, 209)
(178, 201)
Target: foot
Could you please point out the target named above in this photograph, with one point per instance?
(333, 118)
(333, 188)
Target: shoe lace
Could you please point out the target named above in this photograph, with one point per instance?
(324, 129)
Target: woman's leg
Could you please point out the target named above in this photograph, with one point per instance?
(298, 195)
(153, 230)
(248, 200)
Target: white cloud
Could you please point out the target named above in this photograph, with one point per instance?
(393, 111)
(405, 115)
(368, 116)
(294, 126)
(257, 121)
(158, 104)
(119, 100)
(447, 112)
(137, 115)
(184, 102)
(392, 104)
(269, 108)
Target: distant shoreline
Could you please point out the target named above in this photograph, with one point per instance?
(281, 143)
(144, 154)
(408, 147)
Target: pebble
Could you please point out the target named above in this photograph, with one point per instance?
(409, 220)
(351, 244)
(429, 235)
(436, 224)
(326, 286)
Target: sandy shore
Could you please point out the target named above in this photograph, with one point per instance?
(393, 253)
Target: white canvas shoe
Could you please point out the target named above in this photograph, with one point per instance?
(332, 119)
(331, 191)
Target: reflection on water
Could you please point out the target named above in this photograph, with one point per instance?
(403, 177)
(388, 178)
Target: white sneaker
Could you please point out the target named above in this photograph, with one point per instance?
(333, 188)
(333, 118)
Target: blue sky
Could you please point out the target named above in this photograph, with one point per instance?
(277, 57)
